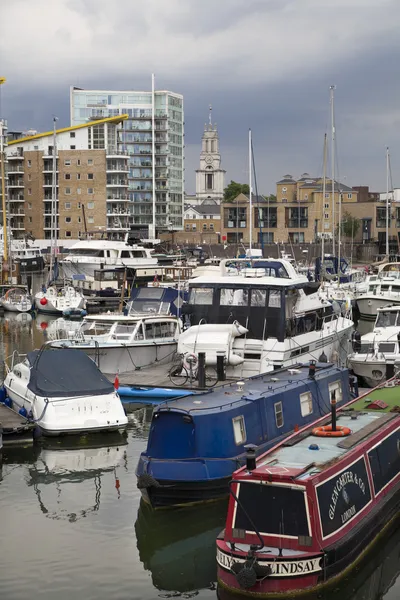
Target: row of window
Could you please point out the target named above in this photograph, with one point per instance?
(236, 297)
(78, 176)
(89, 205)
(88, 219)
(67, 191)
(306, 408)
(193, 227)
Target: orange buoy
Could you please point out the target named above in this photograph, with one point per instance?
(327, 431)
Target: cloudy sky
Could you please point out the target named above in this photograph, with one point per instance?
(262, 64)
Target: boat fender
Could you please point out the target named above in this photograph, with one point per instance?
(23, 412)
(147, 481)
(326, 431)
(43, 301)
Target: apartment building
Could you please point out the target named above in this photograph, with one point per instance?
(91, 181)
(153, 138)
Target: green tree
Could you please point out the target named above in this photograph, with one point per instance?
(233, 189)
(350, 225)
(270, 197)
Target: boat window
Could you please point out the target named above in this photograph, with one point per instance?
(85, 252)
(139, 333)
(272, 509)
(306, 404)
(138, 254)
(385, 288)
(152, 293)
(232, 297)
(258, 297)
(124, 331)
(278, 414)
(125, 254)
(335, 391)
(201, 296)
(274, 299)
(239, 430)
(94, 328)
(386, 347)
(386, 319)
(367, 348)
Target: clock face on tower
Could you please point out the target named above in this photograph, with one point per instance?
(209, 160)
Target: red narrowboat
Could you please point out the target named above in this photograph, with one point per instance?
(309, 509)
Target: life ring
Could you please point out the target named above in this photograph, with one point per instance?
(156, 283)
(326, 431)
(190, 360)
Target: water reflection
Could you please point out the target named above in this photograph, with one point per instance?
(178, 547)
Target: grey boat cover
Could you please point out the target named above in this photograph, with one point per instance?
(65, 373)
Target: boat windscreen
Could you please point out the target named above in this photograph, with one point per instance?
(64, 373)
(274, 510)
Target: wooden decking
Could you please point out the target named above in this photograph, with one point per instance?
(16, 429)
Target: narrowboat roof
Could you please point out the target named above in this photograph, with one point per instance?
(240, 280)
(253, 388)
(114, 318)
(303, 455)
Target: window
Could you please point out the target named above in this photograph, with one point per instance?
(30, 205)
(90, 205)
(284, 199)
(211, 226)
(36, 147)
(284, 189)
(79, 205)
(274, 299)
(90, 219)
(72, 147)
(204, 226)
(78, 162)
(78, 191)
(209, 181)
(258, 297)
(67, 190)
(349, 196)
(29, 177)
(90, 176)
(29, 219)
(187, 227)
(29, 163)
(385, 347)
(67, 162)
(278, 414)
(67, 176)
(239, 430)
(78, 176)
(326, 205)
(326, 195)
(232, 297)
(67, 205)
(68, 234)
(306, 405)
(201, 296)
(29, 191)
(68, 219)
(72, 134)
(335, 391)
(193, 226)
(90, 190)
(90, 161)
(326, 216)
(305, 196)
(79, 220)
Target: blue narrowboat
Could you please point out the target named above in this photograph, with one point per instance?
(196, 443)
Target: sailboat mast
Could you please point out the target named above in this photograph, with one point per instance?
(153, 153)
(387, 201)
(332, 88)
(54, 200)
(250, 196)
(323, 201)
(3, 195)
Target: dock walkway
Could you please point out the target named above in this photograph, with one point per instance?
(16, 428)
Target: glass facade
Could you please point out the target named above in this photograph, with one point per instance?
(135, 138)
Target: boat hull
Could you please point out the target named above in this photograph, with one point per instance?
(368, 305)
(337, 560)
(372, 371)
(16, 307)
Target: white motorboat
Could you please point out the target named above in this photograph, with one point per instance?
(87, 256)
(375, 350)
(262, 318)
(24, 251)
(64, 392)
(122, 344)
(56, 300)
(381, 291)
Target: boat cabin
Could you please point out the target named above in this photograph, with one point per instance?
(115, 329)
(269, 298)
(155, 301)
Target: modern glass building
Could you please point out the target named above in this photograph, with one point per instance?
(154, 144)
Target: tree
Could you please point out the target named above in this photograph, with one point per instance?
(270, 197)
(350, 225)
(233, 189)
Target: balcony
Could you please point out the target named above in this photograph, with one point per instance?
(15, 155)
(296, 223)
(116, 198)
(121, 168)
(15, 183)
(141, 188)
(114, 151)
(13, 168)
(117, 212)
(116, 182)
(16, 212)
(18, 227)
(16, 198)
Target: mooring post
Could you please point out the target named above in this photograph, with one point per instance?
(201, 373)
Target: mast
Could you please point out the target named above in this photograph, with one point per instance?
(332, 88)
(3, 196)
(153, 153)
(387, 201)
(323, 201)
(53, 220)
(250, 195)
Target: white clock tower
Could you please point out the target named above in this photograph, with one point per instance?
(210, 178)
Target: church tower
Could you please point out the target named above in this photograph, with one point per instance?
(210, 178)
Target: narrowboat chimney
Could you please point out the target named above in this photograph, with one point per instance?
(250, 457)
(333, 409)
(201, 372)
(311, 369)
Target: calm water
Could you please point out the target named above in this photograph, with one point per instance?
(72, 523)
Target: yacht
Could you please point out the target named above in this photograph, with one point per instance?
(58, 300)
(122, 344)
(23, 251)
(17, 299)
(64, 392)
(374, 350)
(382, 289)
(261, 317)
(87, 256)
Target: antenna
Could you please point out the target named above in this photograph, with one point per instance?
(210, 115)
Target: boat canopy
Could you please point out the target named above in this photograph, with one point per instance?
(64, 373)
